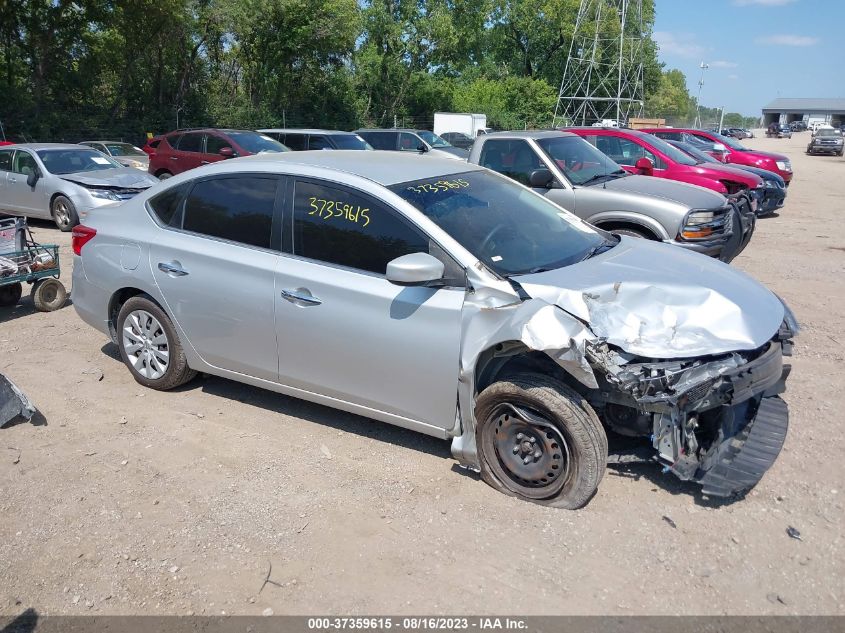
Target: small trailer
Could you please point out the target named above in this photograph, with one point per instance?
(23, 260)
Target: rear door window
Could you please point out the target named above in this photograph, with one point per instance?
(167, 206)
(237, 208)
(343, 227)
(191, 142)
(381, 140)
(296, 142)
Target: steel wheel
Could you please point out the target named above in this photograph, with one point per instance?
(531, 452)
(146, 345)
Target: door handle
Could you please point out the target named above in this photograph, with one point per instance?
(204, 162)
(172, 268)
(298, 296)
(174, 158)
(12, 179)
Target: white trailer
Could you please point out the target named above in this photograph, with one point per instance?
(465, 122)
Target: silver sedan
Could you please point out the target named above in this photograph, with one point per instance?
(444, 298)
(63, 182)
(124, 153)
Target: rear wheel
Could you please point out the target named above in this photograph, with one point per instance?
(164, 175)
(150, 347)
(539, 440)
(48, 294)
(64, 213)
(10, 295)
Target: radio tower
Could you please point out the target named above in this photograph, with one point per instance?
(603, 77)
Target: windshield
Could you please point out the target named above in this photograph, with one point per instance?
(255, 143)
(672, 152)
(432, 139)
(694, 152)
(70, 161)
(124, 149)
(350, 141)
(578, 160)
(828, 132)
(508, 227)
(730, 142)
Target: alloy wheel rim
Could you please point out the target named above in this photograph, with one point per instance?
(146, 345)
(62, 214)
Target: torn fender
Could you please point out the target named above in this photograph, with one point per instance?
(13, 402)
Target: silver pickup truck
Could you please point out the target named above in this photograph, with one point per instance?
(575, 175)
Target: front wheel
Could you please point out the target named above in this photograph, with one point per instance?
(150, 347)
(631, 233)
(539, 440)
(64, 213)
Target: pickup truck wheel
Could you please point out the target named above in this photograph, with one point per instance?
(631, 233)
(150, 347)
(539, 440)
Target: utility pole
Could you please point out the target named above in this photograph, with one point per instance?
(697, 123)
(722, 119)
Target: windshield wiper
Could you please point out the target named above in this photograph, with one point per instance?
(611, 176)
(606, 245)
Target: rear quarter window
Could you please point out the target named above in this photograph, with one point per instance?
(167, 205)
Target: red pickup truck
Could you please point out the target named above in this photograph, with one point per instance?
(736, 152)
(640, 153)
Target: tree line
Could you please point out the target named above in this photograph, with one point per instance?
(119, 68)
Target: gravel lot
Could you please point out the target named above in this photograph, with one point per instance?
(122, 500)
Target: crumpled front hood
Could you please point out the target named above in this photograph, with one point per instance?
(660, 301)
(692, 196)
(126, 177)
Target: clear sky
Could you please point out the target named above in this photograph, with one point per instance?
(757, 50)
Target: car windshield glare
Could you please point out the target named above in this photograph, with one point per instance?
(432, 139)
(828, 132)
(350, 141)
(578, 160)
(505, 225)
(123, 149)
(70, 161)
(256, 143)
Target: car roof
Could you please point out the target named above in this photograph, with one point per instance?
(528, 134)
(37, 146)
(592, 128)
(295, 130)
(389, 129)
(121, 142)
(223, 130)
(383, 167)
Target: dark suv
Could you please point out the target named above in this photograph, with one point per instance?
(298, 140)
(185, 149)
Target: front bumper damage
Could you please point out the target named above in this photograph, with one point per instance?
(718, 422)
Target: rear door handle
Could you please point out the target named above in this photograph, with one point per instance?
(174, 158)
(172, 268)
(301, 296)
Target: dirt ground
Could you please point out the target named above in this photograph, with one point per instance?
(122, 500)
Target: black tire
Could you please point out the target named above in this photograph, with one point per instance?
(164, 175)
(10, 294)
(632, 233)
(177, 372)
(539, 419)
(48, 294)
(64, 213)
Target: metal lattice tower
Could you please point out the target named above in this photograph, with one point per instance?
(603, 77)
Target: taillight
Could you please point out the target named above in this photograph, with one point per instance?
(80, 236)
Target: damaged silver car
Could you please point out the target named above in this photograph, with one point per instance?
(63, 183)
(450, 300)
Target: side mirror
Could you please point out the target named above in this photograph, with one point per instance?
(227, 152)
(416, 269)
(32, 178)
(541, 179)
(644, 165)
(422, 149)
(719, 147)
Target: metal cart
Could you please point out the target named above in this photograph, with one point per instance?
(23, 260)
